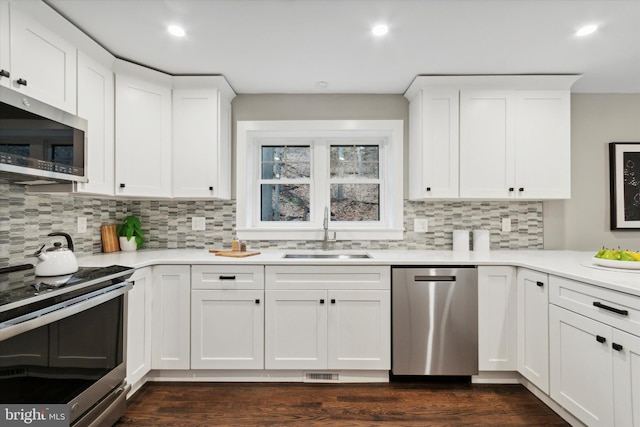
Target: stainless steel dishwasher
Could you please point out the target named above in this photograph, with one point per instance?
(434, 320)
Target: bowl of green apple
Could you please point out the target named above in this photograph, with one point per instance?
(617, 258)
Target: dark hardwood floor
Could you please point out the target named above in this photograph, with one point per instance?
(278, 404)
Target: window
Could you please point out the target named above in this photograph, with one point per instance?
(290, 173)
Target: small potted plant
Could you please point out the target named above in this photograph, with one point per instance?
(130, 233)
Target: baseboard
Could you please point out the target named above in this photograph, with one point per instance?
(203, 375)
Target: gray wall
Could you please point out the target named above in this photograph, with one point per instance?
(582, 223)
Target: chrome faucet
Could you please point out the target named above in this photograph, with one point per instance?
(325, 225)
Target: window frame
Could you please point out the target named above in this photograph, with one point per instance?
(251, 135)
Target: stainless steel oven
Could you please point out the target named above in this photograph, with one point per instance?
(62, 341)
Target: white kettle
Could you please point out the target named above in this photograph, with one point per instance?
(56, 260)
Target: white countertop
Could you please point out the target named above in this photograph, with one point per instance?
(570, 264)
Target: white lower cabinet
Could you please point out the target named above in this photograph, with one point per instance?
(497, 332)
(171, 317)
(309, 324)
(581, 366)
(139, 326)
(227, 317)
(533, 327)
(296, 329)
(594, 353)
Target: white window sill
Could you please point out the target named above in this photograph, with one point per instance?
(340, 234)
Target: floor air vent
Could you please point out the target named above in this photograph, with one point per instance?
(321, 377)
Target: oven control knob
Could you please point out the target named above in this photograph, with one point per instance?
(75, 407)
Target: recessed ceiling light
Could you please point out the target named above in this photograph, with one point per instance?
(587, 29)
(380, 30)
(176, 30)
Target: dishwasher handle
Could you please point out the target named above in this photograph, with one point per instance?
(434, 278)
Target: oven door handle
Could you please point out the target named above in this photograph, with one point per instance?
(59, 311)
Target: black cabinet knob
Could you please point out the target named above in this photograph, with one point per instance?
(121, 185)
(510, 188)
(428, 188)
(21, 82)
(601, 339)
(5, 73)
(257, 301)
(521, 189)
(210, 188)
(540, 284)
(333, 301)
(322, 301)
(616, 347)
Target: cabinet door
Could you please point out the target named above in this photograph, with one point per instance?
(296, 329)
(580, 366)
(543, 144)
(43, 60)
(195, 130)
(171, 317)
(227, 329)
(359, 330)
(533, 327)
(96, 104)
(433, 144)
(497, 332)
(487, 157)
(5, 43)
(143, 137)
(139, 326)
(626, 378)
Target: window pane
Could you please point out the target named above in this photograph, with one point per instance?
(361, 161)
(355, 202)
(285, 202)
(282, 162)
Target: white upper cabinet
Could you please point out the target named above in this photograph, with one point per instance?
(96, 105)
(202, 137)
(515, 144)
(35, 60)
(490, 137)
(143, 132)
(542, 144)
(433, 144)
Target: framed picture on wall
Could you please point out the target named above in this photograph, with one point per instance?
(624, 180)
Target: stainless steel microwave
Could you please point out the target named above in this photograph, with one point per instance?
(39, 143)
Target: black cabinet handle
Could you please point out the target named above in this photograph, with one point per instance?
(428, 188)
(227, 277)
(322, 301)
(616, 347)
(510, 188)
(540, 284)
(601, 339)
(612, 309)
(21, 82)
(333, 301)
(5, 73)
(210, 188)
(257, 301)
(521, 189)
(121, 185)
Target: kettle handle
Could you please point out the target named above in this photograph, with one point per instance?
(66, 236)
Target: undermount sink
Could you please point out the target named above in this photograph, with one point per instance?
(327, 256)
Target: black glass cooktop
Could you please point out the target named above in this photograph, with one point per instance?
(22, 287)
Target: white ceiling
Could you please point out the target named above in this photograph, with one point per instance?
(286, 46)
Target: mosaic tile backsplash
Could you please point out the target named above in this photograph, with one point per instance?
(26, 219)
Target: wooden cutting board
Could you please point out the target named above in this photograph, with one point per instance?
(110, 242)
(233, 254)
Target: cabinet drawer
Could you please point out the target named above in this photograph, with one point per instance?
(327, 277)
(227, 277)
(616, 309)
